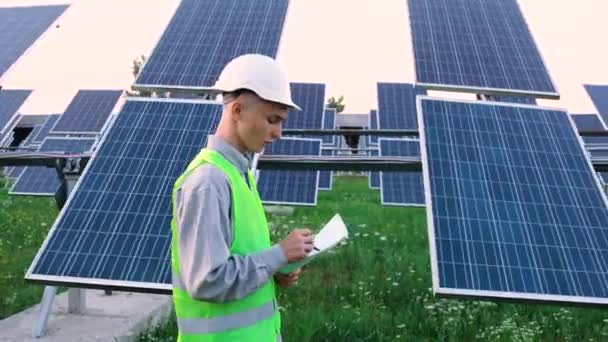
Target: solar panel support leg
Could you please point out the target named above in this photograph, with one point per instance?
(45, 310)
(77, 301)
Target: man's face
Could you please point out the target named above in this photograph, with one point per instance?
(258, 122)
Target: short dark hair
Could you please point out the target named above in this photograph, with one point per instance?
(232, 95)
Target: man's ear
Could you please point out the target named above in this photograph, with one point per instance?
(236, 110)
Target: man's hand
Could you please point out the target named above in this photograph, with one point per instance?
(297, 244)
(287, 279)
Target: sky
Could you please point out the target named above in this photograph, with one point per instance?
(348, 45)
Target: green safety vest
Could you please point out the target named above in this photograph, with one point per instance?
(253, 318)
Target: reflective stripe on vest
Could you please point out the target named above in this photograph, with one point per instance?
(228, 322)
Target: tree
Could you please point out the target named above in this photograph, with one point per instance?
(136, 68)
(338, 104)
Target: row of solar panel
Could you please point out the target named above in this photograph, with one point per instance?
(514, 208)
(476, 202)
(452, 48)
(87, 114)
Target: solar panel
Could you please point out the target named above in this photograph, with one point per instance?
(329, 122)
(362, 146)
(326, 177)
(10, 102)
(599, 152)
(374, 176)
(20, 27)
(15, 172)
(43, 181)
(599, 97)
(310, 97)
(204, 35)
(114, 229)
(373, 124)
(290, 186)
(590, 122)
(30, 138)
(45, 130)
(397, 105)
(513, 204)
(88, 112)
(478, 46)
(401, 188)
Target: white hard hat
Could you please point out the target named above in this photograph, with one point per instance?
(259, 74)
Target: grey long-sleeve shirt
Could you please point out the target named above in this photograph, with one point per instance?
(204, 224)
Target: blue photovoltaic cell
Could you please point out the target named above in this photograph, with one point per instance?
(44, 181)
(329, 122)
(88, 112)
(599, 97)
(20, 27)
(204, 35)
(373, 124)
(476, 45)
(115, 228)
(46, 128)
(326, 177)
(515, 208)
(513, 99)
(397, 105)
(10, 102)
(290, 186)
(401, 188)
(310, 97)
(374, 176)
(590, 122)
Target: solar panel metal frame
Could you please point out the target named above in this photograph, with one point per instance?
(102, 128)
(398, 204)
(192, 89)
(145, 287)
(483, 90)
(316, 186)
(45, 194)
(53, 23)
(450, 292)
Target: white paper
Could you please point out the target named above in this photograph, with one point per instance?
(332, 234)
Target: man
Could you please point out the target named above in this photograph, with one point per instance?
(224, 267)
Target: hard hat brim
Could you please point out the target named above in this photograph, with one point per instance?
(290, 104)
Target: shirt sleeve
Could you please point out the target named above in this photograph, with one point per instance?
(207, 269)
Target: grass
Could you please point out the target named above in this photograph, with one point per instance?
(24, 223)
(377, 286)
